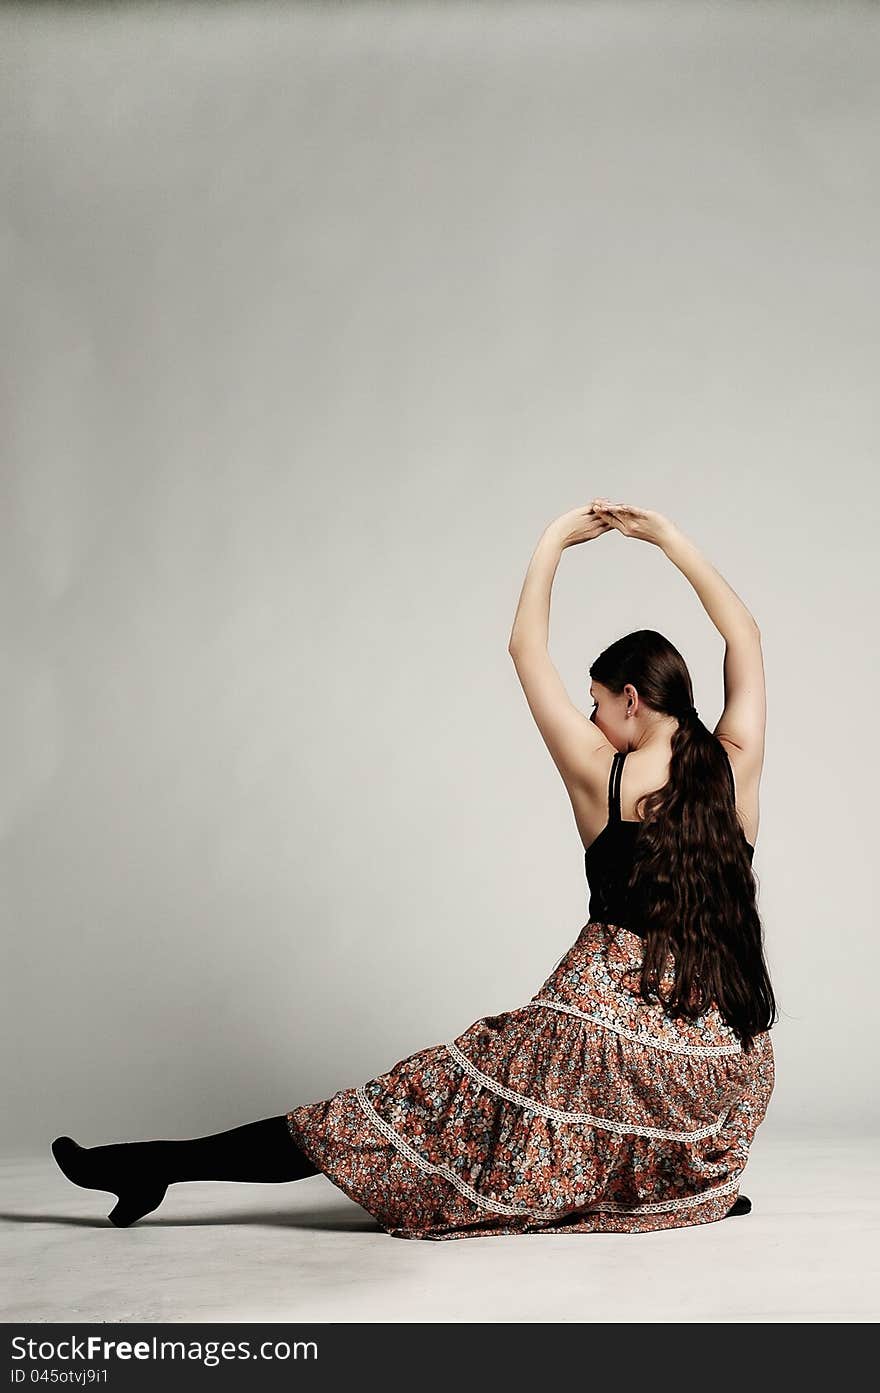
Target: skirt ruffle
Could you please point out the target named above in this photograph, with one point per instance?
(585, 1110)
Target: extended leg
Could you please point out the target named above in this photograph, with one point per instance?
(139, 1173)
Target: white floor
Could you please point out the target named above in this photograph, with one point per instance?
(809, 1251)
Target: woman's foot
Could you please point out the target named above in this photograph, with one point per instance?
(126, 1169)
(742, 1206)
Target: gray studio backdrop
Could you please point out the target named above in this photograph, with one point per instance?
(314, 316)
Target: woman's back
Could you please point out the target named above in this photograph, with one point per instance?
(608, 860)
(642, 772)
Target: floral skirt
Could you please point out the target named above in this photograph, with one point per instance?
(586, 1110)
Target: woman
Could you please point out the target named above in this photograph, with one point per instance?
(624, 1096)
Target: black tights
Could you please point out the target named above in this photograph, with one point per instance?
(140, 1172)
(256, 1151)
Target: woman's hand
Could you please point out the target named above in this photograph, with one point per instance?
(641, 523)
(579, 525)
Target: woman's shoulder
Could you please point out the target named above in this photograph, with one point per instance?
(747, 782)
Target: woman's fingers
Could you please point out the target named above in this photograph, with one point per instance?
(641, 523)
(604, 505)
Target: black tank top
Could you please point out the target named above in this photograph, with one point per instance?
(609, 857)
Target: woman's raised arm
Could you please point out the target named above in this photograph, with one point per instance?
(744, 718)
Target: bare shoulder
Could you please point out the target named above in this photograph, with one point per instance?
(747, 764)
(589, 791)
(597, 766)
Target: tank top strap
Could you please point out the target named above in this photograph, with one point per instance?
(614, 785)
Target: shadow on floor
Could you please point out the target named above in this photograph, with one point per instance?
(319, 1219)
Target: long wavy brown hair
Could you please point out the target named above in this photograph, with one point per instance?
(692, 881)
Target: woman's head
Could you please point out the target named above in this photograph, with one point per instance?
(691, 884)
(641, 690)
